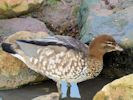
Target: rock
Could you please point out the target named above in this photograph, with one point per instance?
(52, 96)
(13, 8)
(118, 64)
(120, 89)
(100, 20)
(13, 72)
(10, 26)
(113, 17)
(25, 35)
(60, 16)
(117, 4)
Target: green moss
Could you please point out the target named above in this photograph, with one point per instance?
(106, 98)
(1, 33)
(120, 98)
(75, 11)
(52, 2)
(7, 6)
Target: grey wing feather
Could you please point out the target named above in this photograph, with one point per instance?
(77, 44)
(28, 49)
(66, 41)
(57, 40)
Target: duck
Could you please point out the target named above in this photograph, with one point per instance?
(63, 58)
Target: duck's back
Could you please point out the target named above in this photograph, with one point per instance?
(59, 58)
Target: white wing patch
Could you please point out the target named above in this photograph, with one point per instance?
(19, 57)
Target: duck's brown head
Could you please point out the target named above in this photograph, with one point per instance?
(103, 44)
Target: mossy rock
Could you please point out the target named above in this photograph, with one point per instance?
(14, 73)
(120, 89)
(13, 8)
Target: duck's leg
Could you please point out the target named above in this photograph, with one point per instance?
(62, 89)
(74, 91)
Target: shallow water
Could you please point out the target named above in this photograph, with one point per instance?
(87, 89)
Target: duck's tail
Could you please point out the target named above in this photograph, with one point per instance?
(7, 47)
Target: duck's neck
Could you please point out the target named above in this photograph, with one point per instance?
(96, 54)
(94, 67)
(95, 63)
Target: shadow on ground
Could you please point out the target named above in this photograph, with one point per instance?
(87, 89)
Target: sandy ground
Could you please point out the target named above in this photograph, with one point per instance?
(87, 89)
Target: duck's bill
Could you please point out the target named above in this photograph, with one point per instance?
(118, 48)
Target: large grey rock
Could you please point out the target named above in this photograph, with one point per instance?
(101, 20)
(120, 89)
(60, 16)
(10, 26)
(113, 17)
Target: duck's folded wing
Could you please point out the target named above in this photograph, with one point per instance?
(56, 41)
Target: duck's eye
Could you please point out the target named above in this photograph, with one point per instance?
(110, 44)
